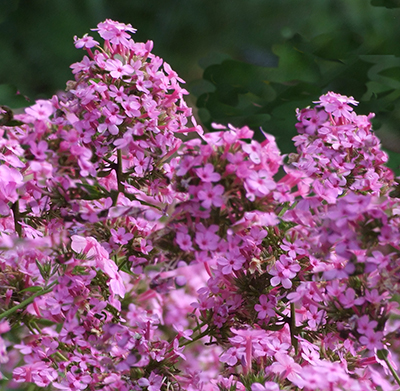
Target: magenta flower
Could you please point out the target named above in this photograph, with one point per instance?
(121, 236)
(210, 195)
(268, 386)
(41, 110)
(232, 261)
(207, 239)
(283, 271)
(207, 174)
(153, 383)
(115, 32)
(117, 69)
(348, 299)
(265, 308)
(233, 355)
(286, 366)
(184, 241)
(85, 42)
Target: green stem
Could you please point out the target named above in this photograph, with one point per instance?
(28, 301)
(395, 375)
(119, 171)
(61, 356)
(17, 225)
(201, 335)
(293, 328)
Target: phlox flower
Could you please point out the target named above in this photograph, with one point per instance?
(254, 149)
(233, 355)
(207, 174)
(39, 149)
(315, 317)
(311, 120)
(259, 183)
(372, 339)
(117, 69)
(206, 238)
(231, 261)
(38, 372)
(118, 93)
(268, 386)
(112, 119)
(283, 271)
(41, 110)
(265, 307)
(184, 241)
(210, 195)
(10, 181)
(348, 299)
(132, 106)
(337, 104)
(85, 42)
(293, 248)
(121, 236)
(115, 32)
(286, 366)
(141, 162)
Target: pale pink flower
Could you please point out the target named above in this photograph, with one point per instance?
(210, 195)
(117, 69)
(207, 174)
(85, 42)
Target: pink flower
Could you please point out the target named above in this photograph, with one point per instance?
(85, 42)
(348, 299)
(39, 150)
(153, 383)
(231, 261)
(254, 149)
(132, 106)
(315, 317)
(115, 32)
(268, 386)
(184, 241)
(207, 174)
(337, 104)
(121, 237)
(286, 366)
(117, 69)
(206, 239)
(265, 307)
(372, 339)
(118, 93)
(259, 183)
(41, 110)
(283, 271)
(232, 355)
(210, 195)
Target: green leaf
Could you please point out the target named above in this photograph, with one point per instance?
(10, 96)
(386, 3)
(92, 192)
(32, 289)
(382, 354)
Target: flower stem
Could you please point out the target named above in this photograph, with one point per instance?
(17, 225)
(293, 328)
(28, 301)
(394, 373)
(119, 172)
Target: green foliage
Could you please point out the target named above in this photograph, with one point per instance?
(261, 58)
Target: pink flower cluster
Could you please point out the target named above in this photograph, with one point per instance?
(135, 258)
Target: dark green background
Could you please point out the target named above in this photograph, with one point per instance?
(245, 61)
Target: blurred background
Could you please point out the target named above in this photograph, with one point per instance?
(245, 62)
